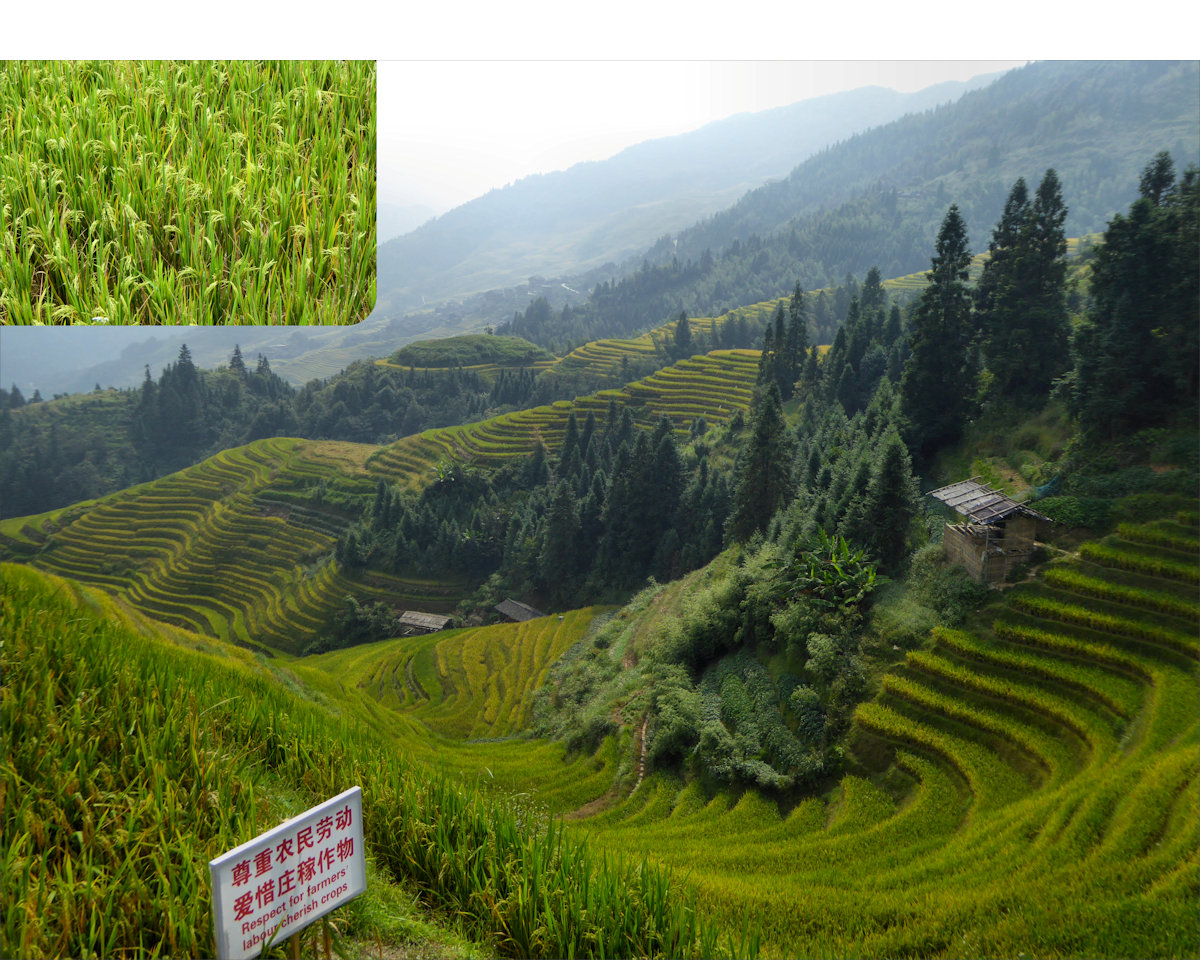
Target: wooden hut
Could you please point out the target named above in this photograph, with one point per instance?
(997, 535)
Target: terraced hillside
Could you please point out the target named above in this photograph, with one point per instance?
(461, 700)
(716, 386)
(470, 683)
(240, 546)
(595, 360)
(1028, 786)
(237, 547)
(133, 755)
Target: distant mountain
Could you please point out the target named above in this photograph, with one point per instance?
(74, 359)
(1096, 123)
(876, 198)
(397, 219)
(596, 212)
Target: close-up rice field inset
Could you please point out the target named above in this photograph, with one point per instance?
(203, 192)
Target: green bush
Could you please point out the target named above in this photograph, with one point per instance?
(1140, 507)
(676, 714)
(1092, 512)
(903, 623)
(945, 588)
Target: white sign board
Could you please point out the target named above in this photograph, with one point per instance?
(284, 879)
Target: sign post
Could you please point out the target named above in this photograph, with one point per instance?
(284, 879)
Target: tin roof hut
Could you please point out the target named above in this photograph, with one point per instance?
(998, 534)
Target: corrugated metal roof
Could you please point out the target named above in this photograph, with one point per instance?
(978, 502)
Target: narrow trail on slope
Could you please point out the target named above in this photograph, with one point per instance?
(642, 757)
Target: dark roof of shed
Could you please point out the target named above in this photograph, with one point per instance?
(516, 610)
(979, 503)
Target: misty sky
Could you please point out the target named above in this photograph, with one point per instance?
(450, 131)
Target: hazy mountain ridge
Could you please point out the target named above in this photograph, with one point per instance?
(599, 211)
(397, 219)
(1096, 123)
(72, 360)
(877, 197)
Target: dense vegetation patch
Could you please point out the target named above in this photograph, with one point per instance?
(469, 350)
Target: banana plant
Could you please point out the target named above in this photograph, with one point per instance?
(826, 570)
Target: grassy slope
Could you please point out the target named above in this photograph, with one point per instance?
(467, 350)
(120, 719)
(131, 758)
(1025, 786)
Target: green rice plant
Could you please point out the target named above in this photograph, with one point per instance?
(1058, 757)
(187, 192)
(1051, 640)
(962, 712)
(1111, 555)
(1107, 623)
(1116, 693)
(1159, 536)
(1076, 581)
(993, 783)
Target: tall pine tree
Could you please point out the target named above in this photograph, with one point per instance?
(1021, 296)
(764, 478)
(938, 383)
(1136, 354)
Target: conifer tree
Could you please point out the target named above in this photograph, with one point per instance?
(559, 556)
(797, 340)
(570, 443)
(766, 358)
(939, 379)
(764, 474)
(536, 471)
(1021, 299)
(683, 336)
(236, 362)
(1135, 355)
(893, 502)
(873, 297)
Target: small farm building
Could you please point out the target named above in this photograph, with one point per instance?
(414, 622)
(517, 611)
(998, 533)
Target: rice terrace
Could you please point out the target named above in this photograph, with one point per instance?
(187, 193)
(726, 609)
